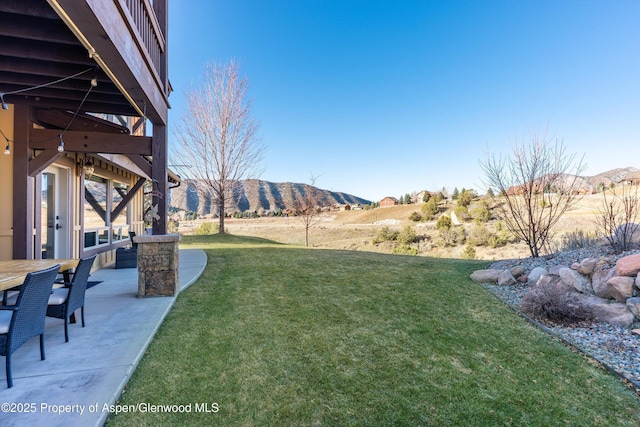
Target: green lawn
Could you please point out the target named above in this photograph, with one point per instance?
(281, 335)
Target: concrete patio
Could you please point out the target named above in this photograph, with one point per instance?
(78, 381)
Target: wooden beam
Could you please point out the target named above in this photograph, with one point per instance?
(91, 142)
(23, 186)
(127, 198)
(40, 162)
(73, 54)
(159, 176)
(142, 163)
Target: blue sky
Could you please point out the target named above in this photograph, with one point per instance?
(385, 97)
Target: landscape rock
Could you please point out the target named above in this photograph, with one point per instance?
(555, 270)
(486, 276)
(587, 266)
(517, 271)
(522, 279)
(629, 265)
(505, 278)
(615, 313)
(599, 282)
(575, 266)
(638, 283)
(547, 279)
(633, 304)
(576, 280)
(621, 287)
(535, 275)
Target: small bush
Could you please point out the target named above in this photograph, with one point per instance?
(462, 213)
(480, 212)
(407, 235)
(385, 235)
(469, 252)
(554, 302)
(206, 228)
(405, 250)
(430, 208)
(415, 216)
(452, 237)
(444, 222)
(578, 239)
(478, 235)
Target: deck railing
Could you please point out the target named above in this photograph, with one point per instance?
(144, 20)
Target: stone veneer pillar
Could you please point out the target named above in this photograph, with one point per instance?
(157, 264)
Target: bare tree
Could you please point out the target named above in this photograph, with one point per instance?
(217, 137)
(307, 207)
(616, 218)
(537, 184)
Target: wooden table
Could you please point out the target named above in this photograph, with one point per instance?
(13, 272)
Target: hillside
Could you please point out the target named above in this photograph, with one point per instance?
(257, 195)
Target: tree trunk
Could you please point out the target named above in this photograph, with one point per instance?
(221, 216)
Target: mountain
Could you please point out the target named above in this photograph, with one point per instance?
(257, 195)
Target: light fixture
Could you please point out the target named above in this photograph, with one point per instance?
(7, 149)
(87, 167)
(61, 145)
(4, 104)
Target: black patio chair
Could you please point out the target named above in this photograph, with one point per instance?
(64, 301)
(25, 320)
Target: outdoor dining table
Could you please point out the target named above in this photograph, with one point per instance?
(13, 272)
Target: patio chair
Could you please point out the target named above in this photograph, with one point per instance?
(25, 320)
(63, 302)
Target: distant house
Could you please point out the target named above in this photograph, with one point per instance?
(631, 178)
(388, 201)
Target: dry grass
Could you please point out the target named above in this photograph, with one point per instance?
(355, 230)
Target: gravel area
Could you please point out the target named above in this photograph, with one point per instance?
(616, 347)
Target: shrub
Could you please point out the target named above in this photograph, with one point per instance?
(465, 197)
(553, 301)
(452, 237)
(578, 239)
(444, 222)
(469, 252)
(385, 234)
(415, 216)
(430, 208)
(206, 228)
(478, 235)
(405, 250)
(407, 235)
(497, 240)
(462, 213)
(480, 212)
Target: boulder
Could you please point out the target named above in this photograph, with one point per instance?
(575, 266)
(599, 282)
(549, 279)
(535, 275)
(621, 287)
(615, 313)
(506, 279)
(638, 283)
(522, 279)
(576, 280)
(588, 266)
(633, 304)
(486, 276)
(629, 265)
(555, 270)
(517, 271)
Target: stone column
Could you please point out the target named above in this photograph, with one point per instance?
(157, 264)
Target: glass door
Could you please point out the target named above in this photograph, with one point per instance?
(55, 221)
